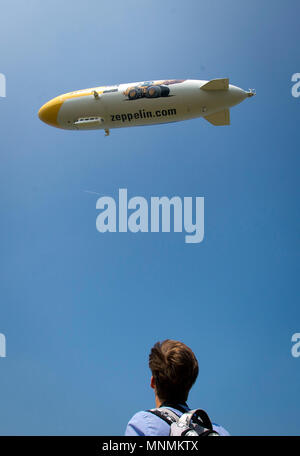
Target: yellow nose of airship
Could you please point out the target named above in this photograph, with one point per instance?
(49, 111)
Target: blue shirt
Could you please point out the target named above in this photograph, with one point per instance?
(147, 424)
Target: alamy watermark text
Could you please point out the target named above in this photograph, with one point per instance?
(296, 345)
(133, 215)
(2, 346)
(296, 87)
(2, 85)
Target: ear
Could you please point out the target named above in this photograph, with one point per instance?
(152, 382)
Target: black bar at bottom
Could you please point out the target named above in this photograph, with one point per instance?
(96, 446)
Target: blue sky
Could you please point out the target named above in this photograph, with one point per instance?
(80, 310)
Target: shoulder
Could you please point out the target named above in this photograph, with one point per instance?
(146, 423)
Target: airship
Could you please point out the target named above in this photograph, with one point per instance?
(144, 103)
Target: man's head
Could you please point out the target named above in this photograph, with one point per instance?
(174, 370)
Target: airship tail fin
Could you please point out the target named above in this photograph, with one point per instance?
(216, 84)
(219, 118)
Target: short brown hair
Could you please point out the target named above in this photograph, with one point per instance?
(174, 368)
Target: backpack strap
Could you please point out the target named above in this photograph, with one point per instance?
(165, 414)
(198, 416)
(201, 426)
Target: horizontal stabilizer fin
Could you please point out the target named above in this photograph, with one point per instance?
(219, 118)
(216, 84)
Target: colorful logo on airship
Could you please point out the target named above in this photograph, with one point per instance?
(150, 89)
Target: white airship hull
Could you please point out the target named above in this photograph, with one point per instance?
(143, 103)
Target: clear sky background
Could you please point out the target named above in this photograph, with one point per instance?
(80, 310)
